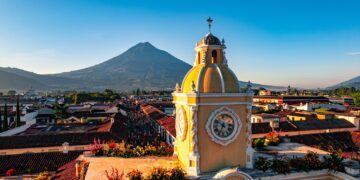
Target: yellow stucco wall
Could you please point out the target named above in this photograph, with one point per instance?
(213, 156)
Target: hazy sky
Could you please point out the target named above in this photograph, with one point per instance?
(303, 43)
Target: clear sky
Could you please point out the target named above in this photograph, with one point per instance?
(304, 43)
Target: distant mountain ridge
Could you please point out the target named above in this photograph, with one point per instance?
(142, 66)
(354, 82)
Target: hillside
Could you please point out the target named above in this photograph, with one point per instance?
(13, 81)
(142, 66)
(354, 82)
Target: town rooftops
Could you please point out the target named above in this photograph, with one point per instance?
(36, 162)
(117, 132)
(286, 126)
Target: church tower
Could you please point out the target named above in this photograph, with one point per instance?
(213, 129)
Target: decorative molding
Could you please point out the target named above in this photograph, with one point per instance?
(231, 172)
(212, 104)
(212, 94)
(194, 153)
(249, 149)
(181, 135)
(208, 47)
(233, 135)
(194, 148)
(221, 78)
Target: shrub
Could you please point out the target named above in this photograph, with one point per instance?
(299, 164)
(280, 166)
(111, 144)
(177, 174)
(259, 142)
(43, 176)
(334, 162)
(158, 173)
(262, 164)
(134, 175)
(165, 149)
(97, 148)
(150, 150)
(313, 161)
(272, 138)
(114, 174)
(138, 151)
(10, 172)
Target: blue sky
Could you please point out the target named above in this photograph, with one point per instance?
(280, 42)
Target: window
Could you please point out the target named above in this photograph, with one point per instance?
(198, 58)
(214, 56)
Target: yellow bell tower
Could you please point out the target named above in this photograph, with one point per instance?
(213, 129)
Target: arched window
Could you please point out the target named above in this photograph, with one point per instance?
(198, 58)
(214, 56)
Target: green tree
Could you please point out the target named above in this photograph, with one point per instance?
(59, 110)
(137, 91)
(0, 120)
(5, 121)
(356, 97)
(18, 123)
(74, 98)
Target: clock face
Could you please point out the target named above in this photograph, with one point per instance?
(181, 124)
(223, 125)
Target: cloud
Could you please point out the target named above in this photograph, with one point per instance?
(353, 53)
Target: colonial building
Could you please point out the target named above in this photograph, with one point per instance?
(213, 128)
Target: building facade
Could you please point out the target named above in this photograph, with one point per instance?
(213, 128)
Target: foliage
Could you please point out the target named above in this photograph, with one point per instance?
(342, 91)
(334, 162)
(79, 97)
(356, 97)
(312, 160)
(158, 173)
(272, 138)
(177, 174)
(43, 176)
(150, 150)
(262, 164)
(259, 142)
(18, 123)
(138, 151)
(134, 175)
(10, 172)
(280, 166)
(60, 111)
(5, 121)
(299, 164)
(114, 174)
(165, 149)
(97, 148)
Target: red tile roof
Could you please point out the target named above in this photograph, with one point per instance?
(36, 162)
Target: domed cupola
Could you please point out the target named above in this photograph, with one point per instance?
(210, 73)
(210, 39)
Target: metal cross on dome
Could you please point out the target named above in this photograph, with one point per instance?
(209, 20)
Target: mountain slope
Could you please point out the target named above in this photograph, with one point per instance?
(354, 82)
(13, 81)
(49, 81)
(142, 66)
